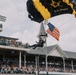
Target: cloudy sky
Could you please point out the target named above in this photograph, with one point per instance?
(18, 25)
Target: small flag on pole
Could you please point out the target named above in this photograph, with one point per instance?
(53, 31)
(2, 18)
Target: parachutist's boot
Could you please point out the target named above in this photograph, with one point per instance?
(34, 47)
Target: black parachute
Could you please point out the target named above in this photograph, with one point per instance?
(39, 10)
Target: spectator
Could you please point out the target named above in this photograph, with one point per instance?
(27, 45)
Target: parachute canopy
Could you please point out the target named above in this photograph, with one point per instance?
(39, 10)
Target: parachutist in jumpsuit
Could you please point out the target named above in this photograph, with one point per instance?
(39, 44)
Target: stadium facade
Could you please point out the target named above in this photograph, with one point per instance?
(16, 57)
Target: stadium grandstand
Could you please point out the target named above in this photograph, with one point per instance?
(19, 58)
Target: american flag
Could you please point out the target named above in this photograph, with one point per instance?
(53, 31)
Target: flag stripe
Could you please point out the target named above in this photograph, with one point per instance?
(55, 35)
(55, 32)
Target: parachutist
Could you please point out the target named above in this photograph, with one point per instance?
(39, 44)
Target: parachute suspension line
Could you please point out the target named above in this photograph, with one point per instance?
(65, 22)
(36, 28)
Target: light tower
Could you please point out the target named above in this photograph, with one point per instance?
(1, 27)
(2, 18)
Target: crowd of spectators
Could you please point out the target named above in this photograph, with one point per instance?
(57, 69)
(8, 69)
(30, 69)
(14, 43)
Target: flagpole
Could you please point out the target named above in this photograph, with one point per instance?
(45, 37)
(45, 22)
(46, 60)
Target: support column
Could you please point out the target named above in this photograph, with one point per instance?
(46, 59)
(38, 64)
(3, 57)
(46, 65)
(72, 65)
(36, 61)
(64, 64)
(25, 60)
(20, 59)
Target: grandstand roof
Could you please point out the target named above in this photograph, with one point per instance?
(8, 38)
(70, 54)
(42, 51)
(53, 50)
(49, 50)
